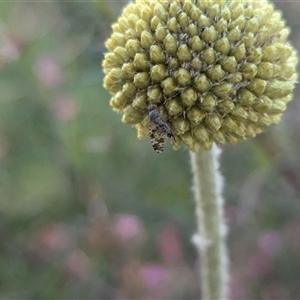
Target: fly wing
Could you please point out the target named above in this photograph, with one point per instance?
(169, 133)
(157, 137)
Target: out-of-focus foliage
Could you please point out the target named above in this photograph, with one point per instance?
(87, 211)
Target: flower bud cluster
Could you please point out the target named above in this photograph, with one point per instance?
(218, 71)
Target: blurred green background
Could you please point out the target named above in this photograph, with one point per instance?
(87, 211)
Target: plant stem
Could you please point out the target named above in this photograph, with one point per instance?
(210, 238)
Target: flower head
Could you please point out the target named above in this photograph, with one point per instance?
(218, 71)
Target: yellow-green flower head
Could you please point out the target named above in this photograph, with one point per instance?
(218, 71)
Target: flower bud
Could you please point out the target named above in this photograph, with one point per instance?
(217, 71)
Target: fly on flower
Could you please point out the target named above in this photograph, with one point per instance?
(159, 130)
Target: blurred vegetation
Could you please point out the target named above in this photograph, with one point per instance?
(87, 211)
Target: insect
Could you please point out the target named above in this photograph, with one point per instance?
(158, 129)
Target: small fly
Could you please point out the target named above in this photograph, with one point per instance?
(159, 130)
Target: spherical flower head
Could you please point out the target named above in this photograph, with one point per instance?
(217, 71)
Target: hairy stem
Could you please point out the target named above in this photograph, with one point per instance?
(210, 238)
